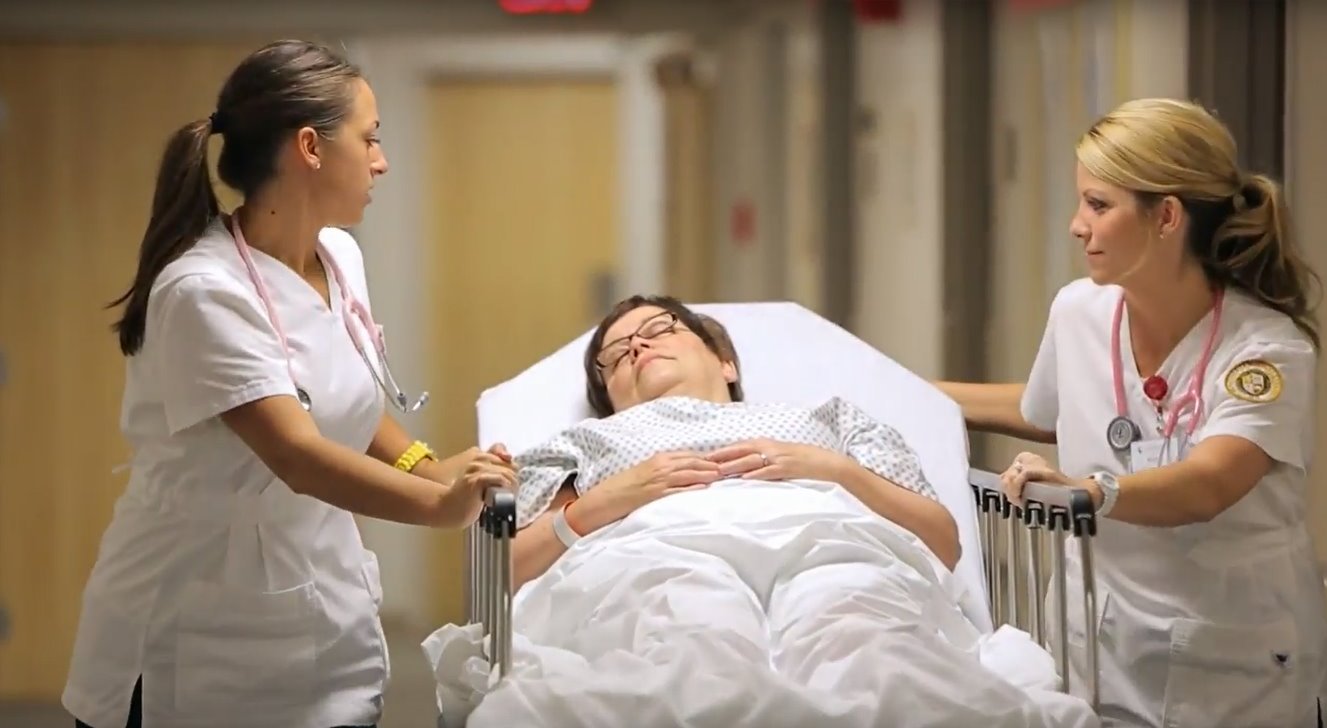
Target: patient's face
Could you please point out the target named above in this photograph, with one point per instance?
(649, 353)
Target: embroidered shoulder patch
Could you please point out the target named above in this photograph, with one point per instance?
(1254, 380)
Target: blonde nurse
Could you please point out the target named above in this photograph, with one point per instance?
(232, 588)
(1178, 381)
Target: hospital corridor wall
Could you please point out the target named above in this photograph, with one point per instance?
(86, 112)
(80, 138)
(1055, 70)
(555, 226)
(725, 125)
(1306, 179)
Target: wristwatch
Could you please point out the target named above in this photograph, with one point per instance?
(1110, 490)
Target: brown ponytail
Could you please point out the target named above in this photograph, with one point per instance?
(183, 205)
(280, 88)
(1251, 250)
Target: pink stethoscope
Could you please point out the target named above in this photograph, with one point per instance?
(1122, 431)
(351, 309)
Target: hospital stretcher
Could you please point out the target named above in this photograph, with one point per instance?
(1012, 555)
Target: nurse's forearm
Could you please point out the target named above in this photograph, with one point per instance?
(288, 442)
(391, 440)
(1215, 475)
(994, 408)
(930, 521)
(341, 477)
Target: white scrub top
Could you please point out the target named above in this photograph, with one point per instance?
(1212, 624)
(236, 600)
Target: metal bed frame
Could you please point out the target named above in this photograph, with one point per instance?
(1015, 565)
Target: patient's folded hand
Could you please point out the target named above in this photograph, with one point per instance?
(664, 474)
(772, 460)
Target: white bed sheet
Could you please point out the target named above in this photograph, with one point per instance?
(788, 354)
(697, 610)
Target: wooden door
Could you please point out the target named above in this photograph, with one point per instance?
(690, 251)
(524, 199)
(82, 127)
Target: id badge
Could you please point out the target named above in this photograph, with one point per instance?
(1146, 454)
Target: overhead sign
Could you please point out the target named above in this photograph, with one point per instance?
(545, 7)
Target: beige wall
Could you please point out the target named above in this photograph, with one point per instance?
(1044, 69)
(1138, 45)
(338, 19)
(393, 233)
(1306, 179)
(899, 189)
(1138, 48)
(401, 44)
(765, 152)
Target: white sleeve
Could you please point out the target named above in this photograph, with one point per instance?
(1041, 397)
(215, 349)
(541, 471)
(1266, 396)
(877, 447)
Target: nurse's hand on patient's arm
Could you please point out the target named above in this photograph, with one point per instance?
(465, 496)
(287, 440)
(447, 469)
(391, 440)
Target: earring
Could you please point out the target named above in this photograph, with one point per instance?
(317, 165)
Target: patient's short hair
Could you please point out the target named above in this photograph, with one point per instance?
(709, 330)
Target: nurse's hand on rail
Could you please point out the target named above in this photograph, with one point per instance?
(1028, 467)
(772, 460)
(464, 500)
(664, 474)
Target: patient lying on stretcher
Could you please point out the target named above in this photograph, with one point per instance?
(666, 384)
(739, 565)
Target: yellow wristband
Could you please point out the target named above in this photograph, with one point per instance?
(412, 455)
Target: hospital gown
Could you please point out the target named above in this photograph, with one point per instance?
(596, 449)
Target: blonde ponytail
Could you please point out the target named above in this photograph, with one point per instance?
(1251, 249)
(1239, 228)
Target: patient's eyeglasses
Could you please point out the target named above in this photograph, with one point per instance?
(612, 353)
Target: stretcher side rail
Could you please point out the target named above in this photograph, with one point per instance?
(1016, 532)
(490, 577)
(1017, 582)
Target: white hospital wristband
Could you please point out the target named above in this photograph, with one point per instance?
(564, 531)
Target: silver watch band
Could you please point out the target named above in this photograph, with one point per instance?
(1110, 491)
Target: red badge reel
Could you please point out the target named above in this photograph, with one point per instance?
(1155, 388)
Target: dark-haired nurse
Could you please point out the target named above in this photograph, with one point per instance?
(231, 587)
(1178, 380)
